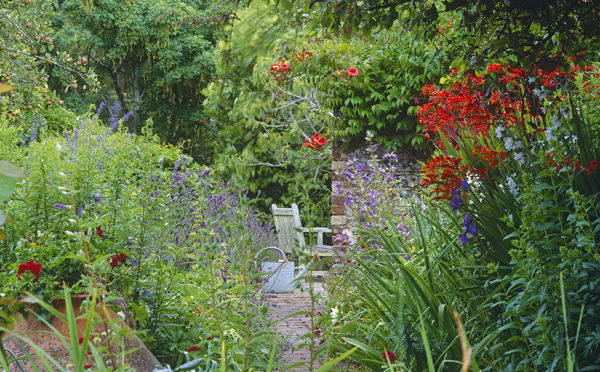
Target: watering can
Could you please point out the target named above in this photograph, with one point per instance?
(278, 275)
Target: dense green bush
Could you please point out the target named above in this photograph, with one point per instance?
(262, 124)
(155, 60)
(392, 66)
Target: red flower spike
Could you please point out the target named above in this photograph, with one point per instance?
(193, 348)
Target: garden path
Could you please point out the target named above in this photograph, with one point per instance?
(281, 306)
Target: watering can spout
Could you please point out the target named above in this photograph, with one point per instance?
(305, 268)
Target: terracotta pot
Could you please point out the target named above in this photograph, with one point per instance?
(38, 332)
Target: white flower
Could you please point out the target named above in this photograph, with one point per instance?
(334, 314)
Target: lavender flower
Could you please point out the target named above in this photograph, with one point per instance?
(61, 206)
(100, 108)
(34, 131)
(114, 116)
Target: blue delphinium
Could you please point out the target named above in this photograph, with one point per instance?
(470, 228)
(457, 201)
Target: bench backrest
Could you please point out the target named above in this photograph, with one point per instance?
(289, 228)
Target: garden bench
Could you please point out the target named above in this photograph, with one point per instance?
(290, 233)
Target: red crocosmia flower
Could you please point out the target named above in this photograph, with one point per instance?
(86, 366)
(118, 259)
(30, 266)
(389, 356)
(194, 348)
(99, 232)
(352, 71)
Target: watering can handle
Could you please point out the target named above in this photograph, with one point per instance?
(264, 249)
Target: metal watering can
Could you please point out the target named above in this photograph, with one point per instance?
(278, 275)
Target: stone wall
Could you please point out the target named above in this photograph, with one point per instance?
(408, 172)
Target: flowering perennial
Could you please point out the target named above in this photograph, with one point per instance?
(118, 260)
(316, 142)
(32, 267)
(389, 356)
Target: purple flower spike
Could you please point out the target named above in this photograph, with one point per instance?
(100, 108)
(80, 210)
(61, 206)
(406, 257)
(469, 228)
(457, 202)
(464, 185)
(463, 238)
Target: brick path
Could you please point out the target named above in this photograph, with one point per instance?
(281, 305)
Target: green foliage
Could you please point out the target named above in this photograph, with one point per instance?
(167, 238)
(155, 60)
(404, 274)
(525, 31)
(35, 67)
(262, 127)
(392, 65)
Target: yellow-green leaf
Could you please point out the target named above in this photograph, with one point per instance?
(5, 88)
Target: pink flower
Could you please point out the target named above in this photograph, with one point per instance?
(352, 71)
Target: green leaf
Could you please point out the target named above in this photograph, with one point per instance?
(5, 88)
(10, 170)
(7, 185)
(332, 363)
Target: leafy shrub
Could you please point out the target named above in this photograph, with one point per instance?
(262, 124)
(391, 67)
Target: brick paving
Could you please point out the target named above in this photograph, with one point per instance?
(281, 306)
